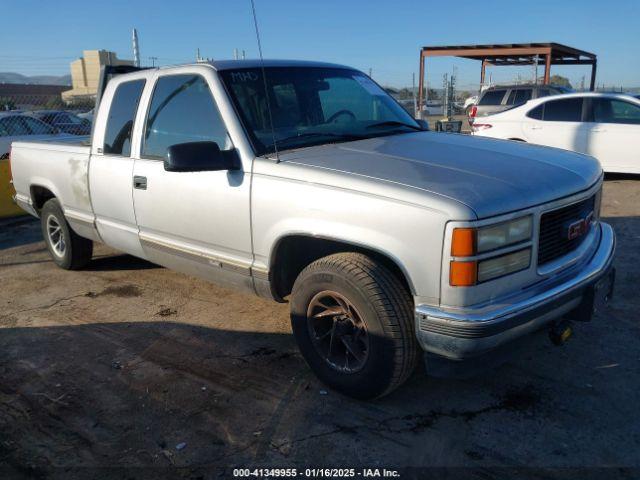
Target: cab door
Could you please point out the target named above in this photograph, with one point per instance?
(111, 165)
(197, 222)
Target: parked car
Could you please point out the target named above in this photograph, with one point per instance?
(17, 126)
(604, 125)
(469, 103)
(502, 97)
(88, 115)
(382, 236)
(65, 122)
(432, 107)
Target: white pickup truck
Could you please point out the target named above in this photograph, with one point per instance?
(384, 237)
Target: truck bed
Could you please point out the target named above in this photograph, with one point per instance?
(59, 168)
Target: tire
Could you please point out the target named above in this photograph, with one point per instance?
(74, 251)
(379, 328)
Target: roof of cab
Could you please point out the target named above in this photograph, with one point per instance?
(256, 63)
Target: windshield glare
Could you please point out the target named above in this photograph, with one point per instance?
(312, 105)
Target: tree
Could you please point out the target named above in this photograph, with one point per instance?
(433, 94)
(405, 93)
(559, 80)
(7, 104)
(54, 103)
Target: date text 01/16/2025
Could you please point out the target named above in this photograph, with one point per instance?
(315, 473)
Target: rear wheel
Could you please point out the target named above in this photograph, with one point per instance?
(67, 249)
(353, 321)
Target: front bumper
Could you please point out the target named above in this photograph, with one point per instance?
(469, 332)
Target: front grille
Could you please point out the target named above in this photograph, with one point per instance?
(554, 241)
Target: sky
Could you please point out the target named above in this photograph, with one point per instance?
(384, 37)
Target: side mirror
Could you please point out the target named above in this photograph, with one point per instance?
(199, 157)
(423, 124)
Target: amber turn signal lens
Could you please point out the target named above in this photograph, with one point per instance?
(463, 243)
(463, 274)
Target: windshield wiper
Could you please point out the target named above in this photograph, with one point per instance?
(341, 136)
(394, 123)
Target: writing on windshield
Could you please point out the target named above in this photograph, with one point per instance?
(312, 105)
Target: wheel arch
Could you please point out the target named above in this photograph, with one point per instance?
(40, 194)
(291, 253)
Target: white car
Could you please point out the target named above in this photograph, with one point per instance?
(17, 126)
(604, 125)
(87, 115)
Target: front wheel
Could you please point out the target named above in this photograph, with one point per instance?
(353, 321)
(68, 250)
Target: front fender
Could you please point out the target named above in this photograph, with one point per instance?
(409, 234)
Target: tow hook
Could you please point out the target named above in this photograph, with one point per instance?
(560, 332)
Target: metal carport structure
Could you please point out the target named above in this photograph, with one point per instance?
(511, 54)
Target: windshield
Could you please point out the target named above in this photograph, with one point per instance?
(312, 106)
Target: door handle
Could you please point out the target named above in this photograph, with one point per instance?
(140, 182)
(535, 127)
(598, 130)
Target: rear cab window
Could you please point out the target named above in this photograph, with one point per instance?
(492, 97)
(122, 111)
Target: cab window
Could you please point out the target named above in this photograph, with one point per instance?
(117, 138)
(182, 110)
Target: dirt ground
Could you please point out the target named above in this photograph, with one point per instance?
(127, 364)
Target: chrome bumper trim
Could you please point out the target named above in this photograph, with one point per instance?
(465, 331)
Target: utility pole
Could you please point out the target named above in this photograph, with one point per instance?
(235, 54)
(370, 72)
(136, 49)
(445, 94)
(153, 61)
(413, 89)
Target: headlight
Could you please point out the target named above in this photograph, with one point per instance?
(503, 265)
(471, 241)
(504, 234)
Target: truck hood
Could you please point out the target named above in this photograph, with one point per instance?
(489, 176)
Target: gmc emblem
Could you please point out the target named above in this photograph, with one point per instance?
(579, 227)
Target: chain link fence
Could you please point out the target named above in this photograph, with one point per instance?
(41, 111)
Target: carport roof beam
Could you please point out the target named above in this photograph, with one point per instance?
(546, 54)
